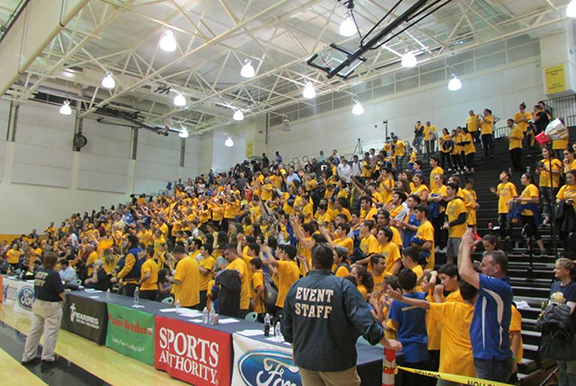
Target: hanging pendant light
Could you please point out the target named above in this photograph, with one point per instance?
(571, 9)
(455, 84)
(65, 109)
(409, 60)
(183, 133)
(179, 100)
(309, 91)
(238, 115)
(358, 109)
(247, 69)
(348, 27)
(168, 41)
(108, 81)
(229, 142)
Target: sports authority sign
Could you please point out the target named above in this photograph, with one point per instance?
(131, 332)
(192, 353)
(85, 317)
(258, 364)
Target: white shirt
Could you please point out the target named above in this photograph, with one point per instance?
(356, 169)
(345, 172)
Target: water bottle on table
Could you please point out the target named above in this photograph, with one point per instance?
(267, 325)
(108, 294)
(205, 316)
(136, 295)
(177, 304)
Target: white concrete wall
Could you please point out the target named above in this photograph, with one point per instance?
(501, 90)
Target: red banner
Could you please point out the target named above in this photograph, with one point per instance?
(192, 353)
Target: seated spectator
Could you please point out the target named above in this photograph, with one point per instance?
(100, 280)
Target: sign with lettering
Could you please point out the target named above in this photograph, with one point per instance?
(257, 364)
(24, 298)
(9, 291)
(131, 332)
(85, 317)
(555, 79)
(192, 353)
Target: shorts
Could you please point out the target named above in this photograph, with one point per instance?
(453, 246)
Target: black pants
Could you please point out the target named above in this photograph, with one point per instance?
(516, 158)
(203, 298)
(441, 235)
(488, 144)
(457, 161)
(470, 160)
(445, 159)
(476, 135)
(505, 225)
(430, 150)
(149, 294)
(530, 221)
(128, 289)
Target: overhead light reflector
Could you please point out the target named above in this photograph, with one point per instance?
(108, 81)
(571, 9)
(309, 91)
(168, 41)
(238, 115)
(183, 133)
(229, 142)
(409, 60)
(65, 108)
(179, 100)
(358, 109)
(348, 28)
(454, 84)
(247, 69)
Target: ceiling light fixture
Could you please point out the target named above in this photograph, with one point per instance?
(309, 91)
(571, 9)
(247, 69)
(168, 41)
(348, 27)
(179, 100)
(65, 109)
(108, 81)
(358, 109)
(183, 133)
(454, 84)
(229, 142)
(409, 60)
(238, 116)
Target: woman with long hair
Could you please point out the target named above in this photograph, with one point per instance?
(530, 197)
(364, 280)
(420, 188)
(567, 197)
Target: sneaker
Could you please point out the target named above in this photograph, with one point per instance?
(56, 361)
(30, 362)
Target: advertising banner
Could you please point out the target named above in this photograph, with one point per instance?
(192, 353)
(85, 317)
(9, 291)
(24, 298)
(257, 363)
(131, 332)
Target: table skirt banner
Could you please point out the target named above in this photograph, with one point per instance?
(257, 363)
(85, 317)
(131, 332)
(192, 353)
(24, 298)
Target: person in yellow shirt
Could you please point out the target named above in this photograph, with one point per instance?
(454, 319)
(457, 161)
(366, 166)
(516, 344)
(505, 191)
(424, 239)
(515, 138)
(472, 124)
(420, 189)
(567, 194)
(92, 257)
(436, 169)
(367, 211)
(340, 268)
(468, 150)
(445, 143)
(206, 267)
(569, 159)
(429, 138)
(413, 159)
(389, 250)
(378, 264)
(257, 287)
(364, 280)
(287, 268)
(471, 201)
(549, 169)
(456, 216)
(522, 120)
(368, 243)
(530, 195)
(13, 256)
(399, 151)
(186, 285)
(487, 122)
(149, 276)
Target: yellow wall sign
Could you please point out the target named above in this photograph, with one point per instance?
(249, 149)
(555, 79)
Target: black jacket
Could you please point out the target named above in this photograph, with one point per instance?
(323, 317)
(229, 294)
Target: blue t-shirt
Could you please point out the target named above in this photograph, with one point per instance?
(412, 328)
(569, 290)
(490, 328)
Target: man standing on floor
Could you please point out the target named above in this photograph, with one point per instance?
(317, 309)
(490, 327)
(47, 309)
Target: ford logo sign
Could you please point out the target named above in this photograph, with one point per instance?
(26, 298)
(268, 368)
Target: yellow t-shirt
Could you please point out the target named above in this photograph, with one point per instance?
(386, 195)
(13, 256)
(442, 140)
(369, 245)
(368, 215)
(257, 281)
(437, 171)
(505, 192)
(420, 190)
(391, 252)
(90, 261)
(428, 130)
(472, 123)
(207, 263)
(560, 144)
(363, 291)
(366, 169)
(516, 143)
(347, 243)
(470, 200)
(426, 232)
(453, 210)
(469, 148)
(570, 166)
(487, 124)
(342, 271)
(522, 125)
(530, 191)
(150, 284)
(188, 291)
(399, 148)
(289, 273)
(545, 173)
(240, 265)
(266, 193)
(566, 192)
(454, 319)
(516, 325)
